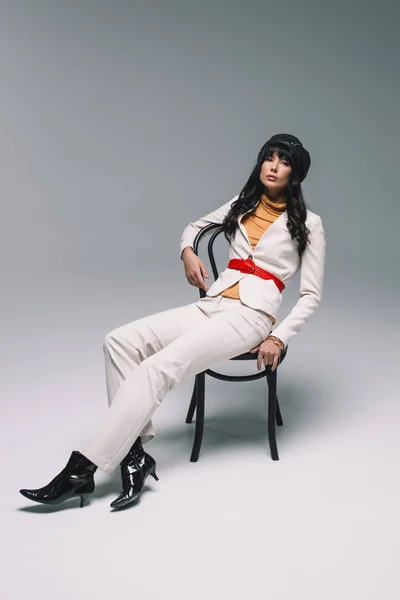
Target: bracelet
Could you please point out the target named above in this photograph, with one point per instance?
(277, 341)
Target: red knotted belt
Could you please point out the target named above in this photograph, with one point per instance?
(246, 265)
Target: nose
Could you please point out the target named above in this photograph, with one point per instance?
(274, 164)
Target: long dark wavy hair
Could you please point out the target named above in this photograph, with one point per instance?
(253, 189)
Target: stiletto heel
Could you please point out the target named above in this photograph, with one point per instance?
(83, 499)
(153, 473)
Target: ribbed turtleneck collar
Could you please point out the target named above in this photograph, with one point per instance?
(277, 206)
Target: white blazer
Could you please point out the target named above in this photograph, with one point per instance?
(277, 253)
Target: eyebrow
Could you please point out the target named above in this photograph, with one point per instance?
(282, 157)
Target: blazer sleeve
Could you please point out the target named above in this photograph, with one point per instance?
(311, 285)
(192, 229)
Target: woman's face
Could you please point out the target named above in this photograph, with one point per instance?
(274, 174)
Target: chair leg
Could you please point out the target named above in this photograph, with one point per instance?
(198, 436)
(192, 406)
(279, 420)
(271, 379)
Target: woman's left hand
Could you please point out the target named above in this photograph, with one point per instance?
(269, 352)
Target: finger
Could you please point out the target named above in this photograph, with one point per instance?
(199, 280)
(275, 363)
(259, 360)
(204, 272)
(254, 349)
(203, 269)
(202, 285)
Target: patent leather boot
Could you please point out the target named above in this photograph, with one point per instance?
(135, 467)
(76, 479)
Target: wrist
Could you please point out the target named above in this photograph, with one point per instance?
(187, 250)
(276, 341)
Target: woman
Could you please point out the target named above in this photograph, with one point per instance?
(271, 236)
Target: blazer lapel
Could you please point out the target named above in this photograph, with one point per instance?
(281, 219)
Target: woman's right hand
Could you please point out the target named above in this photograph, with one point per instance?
(195, 269)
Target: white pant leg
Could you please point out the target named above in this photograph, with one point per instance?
(225, 328)
(126, 347)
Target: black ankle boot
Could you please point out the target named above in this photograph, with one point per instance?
(76, 479)
(135, 467)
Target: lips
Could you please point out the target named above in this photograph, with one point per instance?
(272, 177)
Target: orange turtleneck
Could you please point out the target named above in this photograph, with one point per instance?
(256, 224)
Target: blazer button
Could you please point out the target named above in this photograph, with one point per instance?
(250, 256)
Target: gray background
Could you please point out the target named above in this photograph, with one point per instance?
(120, 123)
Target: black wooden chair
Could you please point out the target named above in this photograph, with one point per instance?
(197, 401)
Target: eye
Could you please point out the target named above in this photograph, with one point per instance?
(284, 161)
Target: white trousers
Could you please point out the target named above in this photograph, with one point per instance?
(146, 358)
